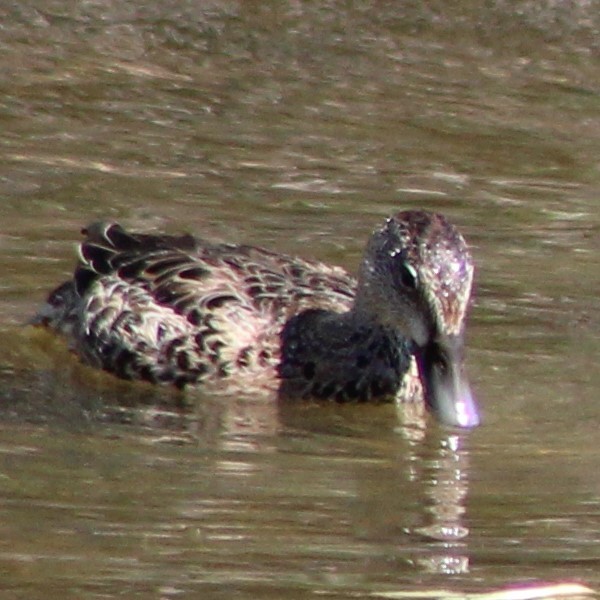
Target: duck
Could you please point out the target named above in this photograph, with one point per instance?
(183, 311)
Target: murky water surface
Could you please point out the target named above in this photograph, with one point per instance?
(299, 125)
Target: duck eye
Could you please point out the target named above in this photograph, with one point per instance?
(408, 275)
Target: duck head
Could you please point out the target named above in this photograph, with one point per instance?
(416, 277)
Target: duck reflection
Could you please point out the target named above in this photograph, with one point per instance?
(409, 484)
(439, 466)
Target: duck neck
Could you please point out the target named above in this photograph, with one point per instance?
(347, 356)
(366, 305)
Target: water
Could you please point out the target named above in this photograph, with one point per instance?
(299, 126)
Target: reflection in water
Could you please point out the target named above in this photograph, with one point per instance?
(445, 507)
(440, 461)
(447, 476)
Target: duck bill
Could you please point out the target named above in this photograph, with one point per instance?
(447, 390)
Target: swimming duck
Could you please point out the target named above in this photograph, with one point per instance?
(184, 311)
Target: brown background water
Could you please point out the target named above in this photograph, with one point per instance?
(298, 126)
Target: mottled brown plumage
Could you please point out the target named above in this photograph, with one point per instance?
(185, 311)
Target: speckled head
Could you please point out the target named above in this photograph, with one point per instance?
(441, 261)
(416, 277)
